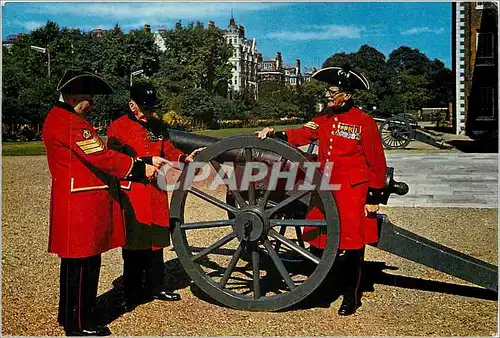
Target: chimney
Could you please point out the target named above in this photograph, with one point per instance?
(298, 66)
(211, 24)
(278, 61)
(147, 28)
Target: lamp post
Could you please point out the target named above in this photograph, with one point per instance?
(43, 50)
(137, 72)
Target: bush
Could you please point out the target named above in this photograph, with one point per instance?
(438, 116)
(176, 121)
(223, 124)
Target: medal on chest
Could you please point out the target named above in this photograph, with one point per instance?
(348, 131)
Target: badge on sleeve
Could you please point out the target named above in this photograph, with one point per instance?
(89, 144)
(311, 125)
(86, 134)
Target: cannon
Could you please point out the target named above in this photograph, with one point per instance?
(399, 130)
(256, 257)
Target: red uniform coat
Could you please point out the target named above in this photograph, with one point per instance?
(145, 205)
(351, 141)
(85, 219)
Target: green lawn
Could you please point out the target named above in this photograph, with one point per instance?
(23, 148)
(37, 148)
(221, 133)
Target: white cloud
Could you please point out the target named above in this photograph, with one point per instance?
(318, 32)
(145, 11)
(419, 30)
(28, 25)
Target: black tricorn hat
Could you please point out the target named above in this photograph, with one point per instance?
(342, 77)
(144, 94)
(74, 82)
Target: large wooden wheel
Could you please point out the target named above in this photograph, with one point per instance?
(244, 261)
(398, 131)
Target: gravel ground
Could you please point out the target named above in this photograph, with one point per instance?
(406, 298)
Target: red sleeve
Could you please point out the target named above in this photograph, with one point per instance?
(112, 141)
(303, 135)
(374, 153)
(170, 152)
(88, 145)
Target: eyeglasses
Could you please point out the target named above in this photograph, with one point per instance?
(333, 92)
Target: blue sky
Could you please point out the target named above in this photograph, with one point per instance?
(309, 31)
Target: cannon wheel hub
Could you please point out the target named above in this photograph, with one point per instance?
(250, 225)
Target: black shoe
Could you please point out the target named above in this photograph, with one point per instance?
(100, 331)
(349, 305)
(127, 306)
(167, 296)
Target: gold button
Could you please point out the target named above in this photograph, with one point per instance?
(336, 119)
(331, 140)
(333, 132)
(329, 153)
(331, 147)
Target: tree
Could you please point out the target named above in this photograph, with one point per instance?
(440, 85)
(408, 60)
(276, 100)
(405, 82)
(309, 95)
(196, 57)
(197, 105)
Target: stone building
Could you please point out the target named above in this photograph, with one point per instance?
(475, 64)
(275, 70)
(244, 60)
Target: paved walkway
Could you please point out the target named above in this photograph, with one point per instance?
(446, 179)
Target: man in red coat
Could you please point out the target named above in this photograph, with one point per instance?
(349, 140)
(140, 135)
(85, 214)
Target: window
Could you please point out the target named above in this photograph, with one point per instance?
(235, 81)
(487, 102)
(484, 45)
(480, 5)
(293, 80)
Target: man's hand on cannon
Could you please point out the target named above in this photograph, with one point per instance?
(262, 134)
(190, 157)
(158, 161)
(151, 172)
(371, 209)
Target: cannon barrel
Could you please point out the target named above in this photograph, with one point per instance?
(187, 142)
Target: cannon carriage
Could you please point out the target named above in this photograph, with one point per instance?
(397, 131)
(258, 259)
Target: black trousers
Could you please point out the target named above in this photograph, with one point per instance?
(353, 268)
(78, 283)
(143, 273)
